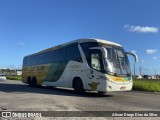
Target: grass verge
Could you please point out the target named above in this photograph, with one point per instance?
(147, 85)
(15, 77)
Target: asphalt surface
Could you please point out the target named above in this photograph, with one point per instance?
(16, 96)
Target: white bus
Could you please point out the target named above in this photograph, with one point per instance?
(83, 64)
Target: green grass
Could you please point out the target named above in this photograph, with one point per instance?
(147, 85)
(14, 77)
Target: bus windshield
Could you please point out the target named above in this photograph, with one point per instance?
(117, 61)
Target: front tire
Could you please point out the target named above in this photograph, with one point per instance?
(101, 93)
(78, 86)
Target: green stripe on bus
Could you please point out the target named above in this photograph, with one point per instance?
(55, 71)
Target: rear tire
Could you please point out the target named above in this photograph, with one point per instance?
(29, 81)
(78, 86)
(39, 86)
(34, 82)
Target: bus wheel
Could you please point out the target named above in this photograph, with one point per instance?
(29, 81)
(78, 86)
(39, 86)
(101, 93)
(34, 82)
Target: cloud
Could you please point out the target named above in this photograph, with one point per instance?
(151, 51)
(154, 58)
(141, 29)
(142, 61)
(21, 44)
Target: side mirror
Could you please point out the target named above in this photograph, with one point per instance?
(105, 53)
(134, 55)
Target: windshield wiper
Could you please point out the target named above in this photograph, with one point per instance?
(115, 74)
(111, 73)
(122, 65)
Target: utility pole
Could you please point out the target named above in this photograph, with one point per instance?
(155, 75)
(140, 70)
(134, 70)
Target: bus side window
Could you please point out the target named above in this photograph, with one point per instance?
(49, 57)
(35, 60)
(77, 55)
(68, 53)
(62, 54)
(56, 56)
(41, 58)
(25, 61)
(29, 61)
(72, 53)
(95, 61)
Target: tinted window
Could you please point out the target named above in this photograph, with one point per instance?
(49, 57)
(29, 61)
(70, 52)
(86, 46)
(25, 61)
(95, 61)
(86, 50)
(32, 60)
(73, 53)
(35, 60)
(56, 56)
(41, 58)
(61, 54)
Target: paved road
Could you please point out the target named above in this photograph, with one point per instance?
(16, 96)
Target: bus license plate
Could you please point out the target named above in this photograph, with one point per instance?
(123, 88)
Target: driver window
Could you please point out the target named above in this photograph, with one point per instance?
(95, 61)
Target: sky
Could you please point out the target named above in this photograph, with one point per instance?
(29, 26)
